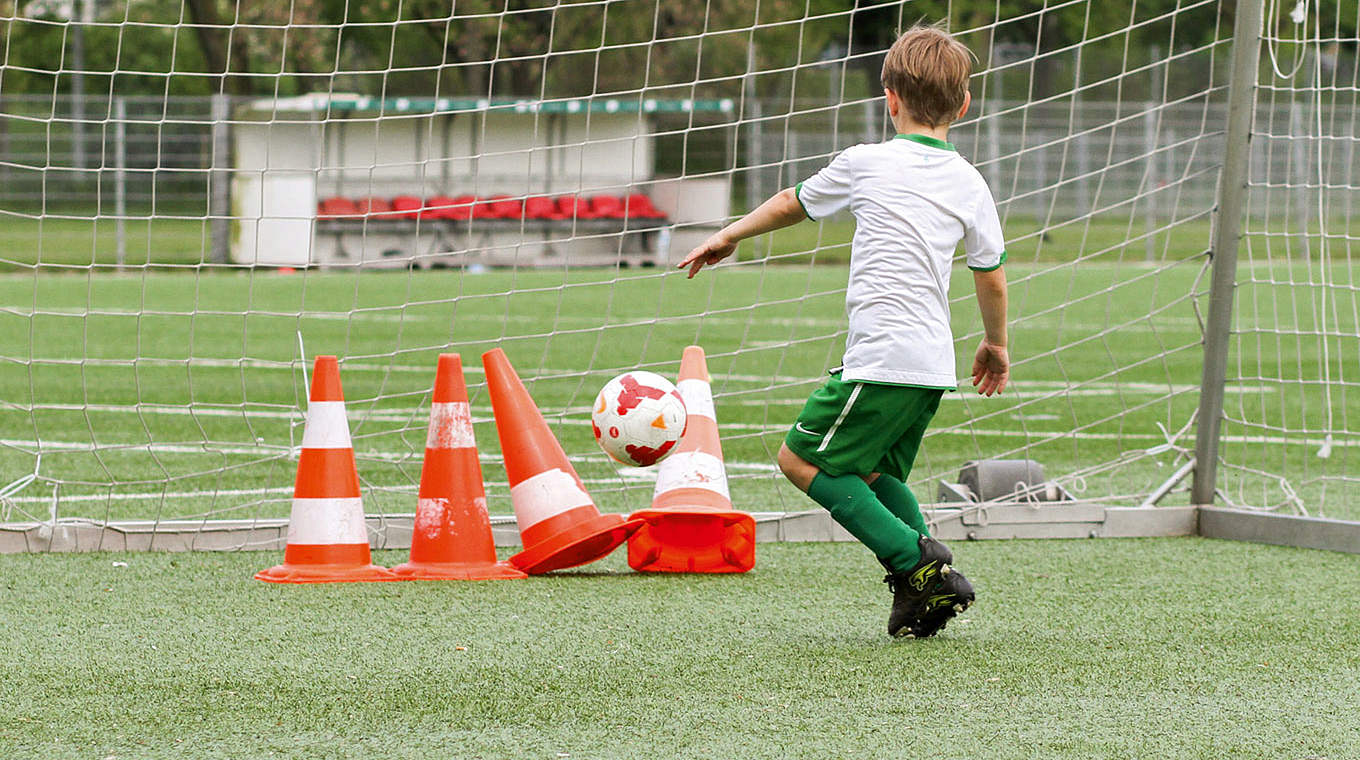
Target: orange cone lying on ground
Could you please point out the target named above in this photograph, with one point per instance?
(451, 538)
(691, 527)
(327, 538)
(558, 522)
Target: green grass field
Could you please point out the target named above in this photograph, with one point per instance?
(158, 394)
(1151, 648)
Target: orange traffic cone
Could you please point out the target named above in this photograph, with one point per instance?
(327, 538)
(558, 522)
(691, 527)
(451, 539)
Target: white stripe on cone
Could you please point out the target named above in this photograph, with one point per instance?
(327, 521)
(450, 426)
(692, 469)
(545, 495)
(430, 514)
(698, 397)
(326, 426)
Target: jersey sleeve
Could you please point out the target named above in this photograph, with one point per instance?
(982, 240)
(827, 191)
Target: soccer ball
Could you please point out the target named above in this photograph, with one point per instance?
(638, 418)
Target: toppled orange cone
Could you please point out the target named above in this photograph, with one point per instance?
(558, 522)
(691, 526)
(327, 538)
(451, 538)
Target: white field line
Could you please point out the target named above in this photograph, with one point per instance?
(627, 473)
(1054, 390)
(965, 395)
(454, 315)
(267, 451)
(277, 452)
(383, 314)
(623, 473)
(154, 495)
(544, 373)
(1151, 323)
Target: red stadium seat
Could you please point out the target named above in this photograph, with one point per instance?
(607, 206)
(482, 209)
(410, 206)
(462, 208)
(570, 206)
(540, 207)
(505, 207)
(374, 208)
(337, 207)
(438, 207)
(640, 206)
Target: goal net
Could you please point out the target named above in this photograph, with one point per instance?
(1291, 415)
(198, 197)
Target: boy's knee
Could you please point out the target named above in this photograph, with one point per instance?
(799, 471)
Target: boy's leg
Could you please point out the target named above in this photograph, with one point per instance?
(954, 594)
(852, 503)
(843, 427)
(900, 501)
(889, 486)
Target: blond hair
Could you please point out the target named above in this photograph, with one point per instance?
(928, 70)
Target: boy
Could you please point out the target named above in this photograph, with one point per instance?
(914, 198)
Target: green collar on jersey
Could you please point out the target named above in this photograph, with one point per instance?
(933, 142)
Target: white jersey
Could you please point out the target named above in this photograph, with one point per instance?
(914, 198)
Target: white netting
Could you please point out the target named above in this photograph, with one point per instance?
(369, 180)
(1291, 424)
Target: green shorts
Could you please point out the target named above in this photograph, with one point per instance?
(861, 428)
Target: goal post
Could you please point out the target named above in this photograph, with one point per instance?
(1232, 186)
(198, 197)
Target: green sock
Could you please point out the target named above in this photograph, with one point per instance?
(900, 501)
(852, 504)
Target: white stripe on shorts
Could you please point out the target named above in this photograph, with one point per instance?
(826, 441)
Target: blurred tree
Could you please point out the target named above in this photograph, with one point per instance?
(579, 47)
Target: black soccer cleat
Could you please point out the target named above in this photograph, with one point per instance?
(954, 595)
(913, 588)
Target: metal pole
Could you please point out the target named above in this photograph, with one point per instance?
(1150, 185)
(754, 156)
(1150, 196)
(1232, 191)
(1040, 176)
(1299, 175)
(120, 178)
(1083, 146)
(996, 103)
(219, 179)
(754, 134)
(445, 164)
(85, 16)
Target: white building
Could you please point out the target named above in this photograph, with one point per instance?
(290, 154)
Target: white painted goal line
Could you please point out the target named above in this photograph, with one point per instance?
(359, 414)
(275, 451)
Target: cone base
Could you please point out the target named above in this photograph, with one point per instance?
(457, 571)
(582, 543)
(693, 541)
(286, 573)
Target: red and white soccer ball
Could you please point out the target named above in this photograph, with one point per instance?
(638, 418)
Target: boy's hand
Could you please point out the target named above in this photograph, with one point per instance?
(713, 250)
(991, 368)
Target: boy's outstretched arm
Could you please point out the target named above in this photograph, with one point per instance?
(781, 210)
(991, 365)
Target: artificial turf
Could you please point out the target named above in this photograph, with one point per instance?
(1146, 648)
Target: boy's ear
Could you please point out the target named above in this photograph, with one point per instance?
(967, 101)
(894, 103)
